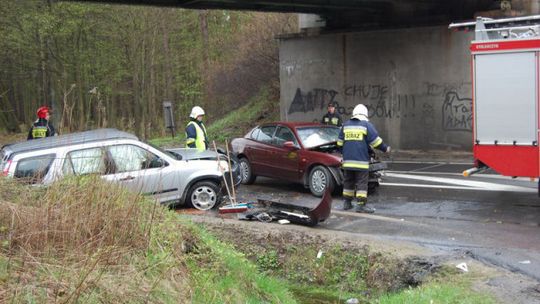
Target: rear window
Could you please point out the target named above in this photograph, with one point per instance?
(34, 169)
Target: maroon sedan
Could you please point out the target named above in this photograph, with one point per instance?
(304, 153)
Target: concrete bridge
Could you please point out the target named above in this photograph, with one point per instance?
(396, 56)
(346, 13)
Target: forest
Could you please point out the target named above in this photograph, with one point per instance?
(100, 65)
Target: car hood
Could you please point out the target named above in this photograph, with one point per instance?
(193, 154)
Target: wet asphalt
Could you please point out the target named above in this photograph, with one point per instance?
(488, 217)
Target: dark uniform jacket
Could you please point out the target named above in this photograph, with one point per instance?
(40, 129)
(355, 138)
(191, 133)
(332, 119)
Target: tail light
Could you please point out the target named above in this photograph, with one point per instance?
(5, 171)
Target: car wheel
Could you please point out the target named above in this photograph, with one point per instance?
(204, 195)
(245, 172)
(320, 180)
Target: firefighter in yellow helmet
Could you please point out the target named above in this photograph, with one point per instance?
(196, 131)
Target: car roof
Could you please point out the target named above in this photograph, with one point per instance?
(67, 139)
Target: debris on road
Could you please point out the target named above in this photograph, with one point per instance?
(267, 211)
(525, 262)
(463, 267)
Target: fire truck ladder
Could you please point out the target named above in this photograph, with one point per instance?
(500, 29)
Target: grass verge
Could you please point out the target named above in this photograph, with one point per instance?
(324, 271)
(258, 110)
(451, 288)
(84, 240)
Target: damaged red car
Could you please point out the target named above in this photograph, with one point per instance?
(304, 153)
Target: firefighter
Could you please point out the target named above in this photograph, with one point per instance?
(331, 117)
(355, 139)
(196, 131)
(42, 127)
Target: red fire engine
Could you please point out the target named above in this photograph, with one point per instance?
(505, 66)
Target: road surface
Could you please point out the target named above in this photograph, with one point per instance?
(491, 218)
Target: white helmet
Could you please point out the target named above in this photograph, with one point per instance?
(360, 112)
(196, 112)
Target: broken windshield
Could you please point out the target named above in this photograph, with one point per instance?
(317, 136)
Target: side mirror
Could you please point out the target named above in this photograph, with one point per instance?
(290, 145)
(157, 163)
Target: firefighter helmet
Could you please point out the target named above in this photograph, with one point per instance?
(196, 112)
(359, 111)
(43, 111)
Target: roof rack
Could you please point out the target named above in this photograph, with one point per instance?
(525, 27)
(68, 139)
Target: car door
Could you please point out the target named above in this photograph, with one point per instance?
(260, 151)
(141, 171)
(283, 162)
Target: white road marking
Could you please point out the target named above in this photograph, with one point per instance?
(482, 175)
(457, 183)
(428, 167)
(425, 162)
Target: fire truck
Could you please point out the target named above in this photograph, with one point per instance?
(505, 67)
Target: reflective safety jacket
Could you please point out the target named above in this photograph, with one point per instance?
(41, 129)
(196, 135)
(332, 119)
(354, 139)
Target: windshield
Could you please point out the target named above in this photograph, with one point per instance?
(317, 136)
(172, 154)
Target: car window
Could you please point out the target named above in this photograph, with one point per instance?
(255, 133)
(266, 133)
(128, 158)
(85, 161)
(34, 169)
(284, 134)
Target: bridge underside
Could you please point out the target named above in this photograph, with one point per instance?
(345, 13)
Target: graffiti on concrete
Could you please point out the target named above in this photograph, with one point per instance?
(441, 89)
(456, 113)
(376, 92)
(292, 66)
(401, 106)
(376, 97)
(315, 99)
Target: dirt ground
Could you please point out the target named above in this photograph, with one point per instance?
(505, 286)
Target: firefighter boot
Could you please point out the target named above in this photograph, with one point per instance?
(347, 204)
(361, 207)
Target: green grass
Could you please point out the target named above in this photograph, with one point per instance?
(235, 124)
(438, 292)
(229, 277)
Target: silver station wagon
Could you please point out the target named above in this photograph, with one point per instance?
(176, 177)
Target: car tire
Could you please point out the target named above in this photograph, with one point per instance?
(204, 195)
(320, 179)
(246, 173)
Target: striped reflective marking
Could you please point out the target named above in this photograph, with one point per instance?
(376, 142)
(348, 192)
(354, 164)
(361, 193)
